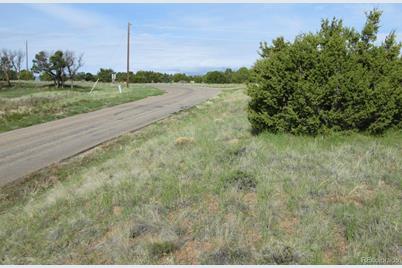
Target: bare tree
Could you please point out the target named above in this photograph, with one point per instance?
(73, 64)
(17, 62)
(6, 64)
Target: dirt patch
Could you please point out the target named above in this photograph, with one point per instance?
(190, 252)
(339, 248)
(289, 224)
(212, 203)
(117, 211)
(253, 235)
(111, 232)
(357, 196)
(250, 199)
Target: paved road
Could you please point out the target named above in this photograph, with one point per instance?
(26, 150)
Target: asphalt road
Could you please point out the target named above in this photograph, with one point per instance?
(25, 150)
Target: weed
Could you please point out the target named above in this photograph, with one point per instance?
(159, 249)
(241, 180)
(227, 255)
(280, 254)
(141, 229)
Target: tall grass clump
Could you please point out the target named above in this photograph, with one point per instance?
(333, 80)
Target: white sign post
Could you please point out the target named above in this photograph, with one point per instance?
(120, 90)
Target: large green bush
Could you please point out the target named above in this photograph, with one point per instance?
(335, 79)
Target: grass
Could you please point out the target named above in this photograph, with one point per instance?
(198, 187)
(30, 103)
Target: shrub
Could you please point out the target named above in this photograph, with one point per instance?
(215, 77)
(159, 249)
(226, 255)
(334, 79)
(105, 75)
(26, 75)
(241, 180)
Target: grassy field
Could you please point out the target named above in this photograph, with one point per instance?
(198, 187)
(29, 103)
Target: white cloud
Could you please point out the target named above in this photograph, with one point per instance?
(70, 15)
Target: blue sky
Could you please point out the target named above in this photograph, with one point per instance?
(191, 38)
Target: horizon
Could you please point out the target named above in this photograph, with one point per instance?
(173, 38)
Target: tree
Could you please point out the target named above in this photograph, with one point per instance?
(90, 77)
(6, 64)
(214, 77)
(26, 75)
(45, 77)
(105, 75)
(241, 76)
(17, 62)
(228, 75)
(73, 64)
(180, 77)
(80, 76)
(50, 66)
(10, 63)
(332, 80)
(58, 66)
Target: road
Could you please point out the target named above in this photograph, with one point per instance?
(25, 150)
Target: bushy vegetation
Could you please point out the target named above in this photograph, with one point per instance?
(334, 79)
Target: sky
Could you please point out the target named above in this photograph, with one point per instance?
(189, 38)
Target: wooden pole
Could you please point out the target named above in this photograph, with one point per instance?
(93, 87)
(26, 54)
(128, 54)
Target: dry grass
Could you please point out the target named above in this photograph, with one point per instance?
(222, 196)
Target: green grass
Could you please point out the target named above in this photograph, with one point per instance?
(30, 103)
(198, 187)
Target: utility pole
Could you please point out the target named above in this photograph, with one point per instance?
(128, 54)
(26, 54)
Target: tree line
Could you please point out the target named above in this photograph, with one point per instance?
(62, 66)
(228, 76)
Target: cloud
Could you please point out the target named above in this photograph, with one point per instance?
(72, 16)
